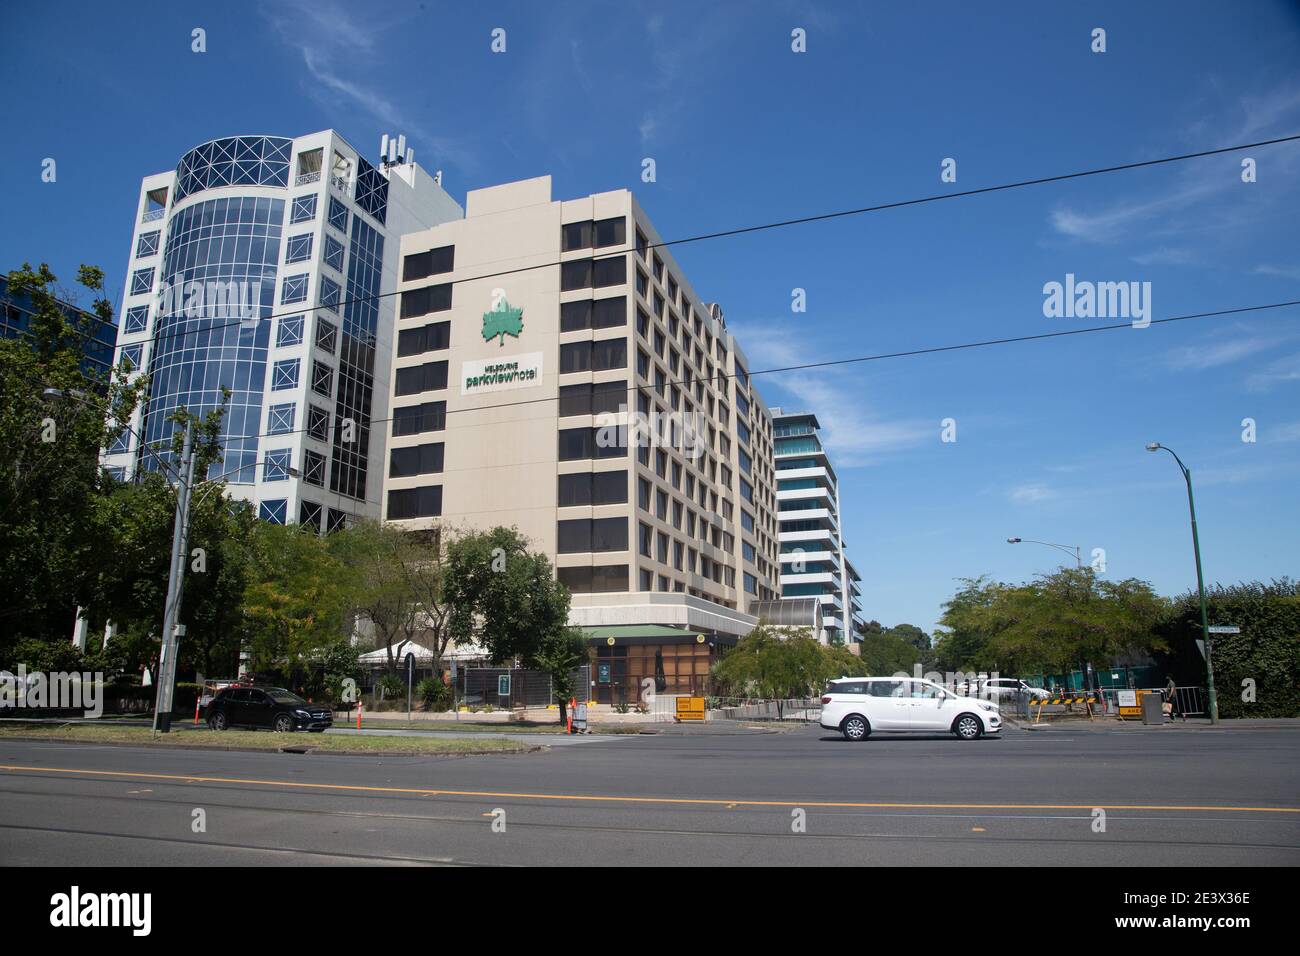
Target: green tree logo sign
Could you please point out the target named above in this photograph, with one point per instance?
(501, 321)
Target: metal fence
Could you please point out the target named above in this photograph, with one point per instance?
(482, 686)
(800, 709)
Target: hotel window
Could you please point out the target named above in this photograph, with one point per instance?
(298, 248)
(661, 548)
(421, 378)
(595, 579)
(318, 423)
(421, 265)
(322, 379)
(289, 331)
(592, 399)
(578, 535)
(148, 245)
(417, 419)
(284, 375)
(592, 488)
(273, 511)
(327, 334)
(746, 489)
(333, 253)
(584, 235)
(661, 505)
(313, 467)
(643, 494)
(415, 503)
(432, 298)
(276, 465)
(658, 269)
(645, 540)
(641, 244)
(294, 289)
(425, 338)
(597, 356)
(647, 581)
(141, 281)
(746, 520)
(279, 418)
(679, 550)
(136, 319)
(576, 444)
(415, 460)
(338, 217)
(746, 463)
(304, 209)
(593, 314)
(593, 274)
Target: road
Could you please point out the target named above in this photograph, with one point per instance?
(1170, 798)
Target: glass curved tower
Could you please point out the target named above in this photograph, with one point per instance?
(256, 279)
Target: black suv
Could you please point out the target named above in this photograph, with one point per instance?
(271, 707)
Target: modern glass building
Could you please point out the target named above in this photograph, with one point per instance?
(813, 559)
(257, 279)
(99, 337)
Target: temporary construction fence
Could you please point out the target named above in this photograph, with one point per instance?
(505, 688)
(800, 709)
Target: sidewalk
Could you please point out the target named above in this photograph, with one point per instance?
(1080, 722)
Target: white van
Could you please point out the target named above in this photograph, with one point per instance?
(858, 706)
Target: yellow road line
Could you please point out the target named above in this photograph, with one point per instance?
(596, 798)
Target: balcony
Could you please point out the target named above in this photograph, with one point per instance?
(305, 179)
(153, 215)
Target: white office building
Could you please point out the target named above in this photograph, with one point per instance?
(813, 559)
(265, 266)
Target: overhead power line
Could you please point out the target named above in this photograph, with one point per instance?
(785, 223)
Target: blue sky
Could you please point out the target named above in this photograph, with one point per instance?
(1050, 435)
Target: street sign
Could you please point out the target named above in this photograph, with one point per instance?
(1224, 629)
(690, 708)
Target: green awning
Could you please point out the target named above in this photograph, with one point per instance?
(638, 630)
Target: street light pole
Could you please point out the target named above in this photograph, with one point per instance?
(1067, 548)
(1200, 583)
(162, 711)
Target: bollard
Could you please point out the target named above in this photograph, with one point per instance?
(198, 702)
(358, 713)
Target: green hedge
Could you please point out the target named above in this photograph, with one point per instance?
(1267, 651)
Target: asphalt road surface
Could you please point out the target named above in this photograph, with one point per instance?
(803, 797)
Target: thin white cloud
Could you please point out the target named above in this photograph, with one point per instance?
(854, 434)
(326, 35)
(1278, 272)
(1222, 351)
(1031, 493)
(1278, 372)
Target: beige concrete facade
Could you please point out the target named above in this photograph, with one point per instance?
(521, 437)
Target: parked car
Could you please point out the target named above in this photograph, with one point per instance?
(860, 706)
(1002, 688)
(272, 707)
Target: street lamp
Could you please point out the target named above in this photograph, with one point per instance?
(1068, 549)
(1200, 581)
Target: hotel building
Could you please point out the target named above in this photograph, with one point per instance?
(813, 559)
(291, 246)
(534, 341)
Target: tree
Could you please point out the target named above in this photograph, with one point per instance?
(560, 656)
(502, 595)
(779, 663)
(373, 555)
(50, 479)
(1256, 672)
(1052, 624)
(298, 598)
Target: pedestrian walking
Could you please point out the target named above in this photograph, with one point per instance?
(1170, 705)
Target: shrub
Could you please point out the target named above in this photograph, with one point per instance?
(433, 694)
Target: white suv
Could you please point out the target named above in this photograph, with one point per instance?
(856, 706)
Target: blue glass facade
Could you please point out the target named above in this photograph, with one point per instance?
(235, 239)
(99, 338)
(356, 384)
